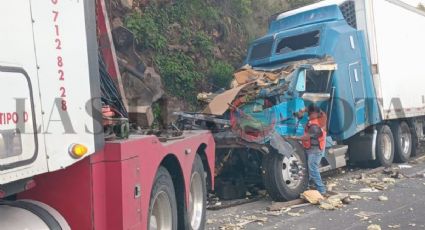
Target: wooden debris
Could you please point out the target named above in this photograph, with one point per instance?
(374, 227)
(312, 196)
(277, 206)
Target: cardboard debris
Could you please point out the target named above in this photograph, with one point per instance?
(220, 103)
(383, 198)
(331, 203)
(246, 75)
(312, 196)
(374, 227)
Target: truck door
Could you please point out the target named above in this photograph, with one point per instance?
(358, 93)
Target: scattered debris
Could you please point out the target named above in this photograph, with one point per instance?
(277, 206)
(388, 180)
(366, 215)
(373, 227)
(332, 203)
(355, 197)
(394, 226)
(365, 190)
(296, 214)
(312, 196)
(405, 166)
(383, 198)
(244, 220)
(330, 186)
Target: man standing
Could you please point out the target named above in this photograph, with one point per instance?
(314, 143)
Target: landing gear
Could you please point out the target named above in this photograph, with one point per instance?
(285, 177)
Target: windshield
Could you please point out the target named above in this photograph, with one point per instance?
(318, 81)
(298, 42)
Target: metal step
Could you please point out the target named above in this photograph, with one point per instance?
(336, 157)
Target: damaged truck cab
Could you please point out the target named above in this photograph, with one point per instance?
(340, 79)
(343, 56)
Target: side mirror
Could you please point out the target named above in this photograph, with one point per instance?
(301, 81)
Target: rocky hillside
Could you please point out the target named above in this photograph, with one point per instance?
(195, 45)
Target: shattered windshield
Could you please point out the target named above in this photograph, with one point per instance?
(298, 42)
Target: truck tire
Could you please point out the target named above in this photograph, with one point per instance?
(280, 182)
(197, 196)
(384, 146)
(402, 142)
(162, 205)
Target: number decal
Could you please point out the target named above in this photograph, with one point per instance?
(61, 75)
(55, 15)
(59, 60)
(62, 89)
(64, 106)
(58, 44)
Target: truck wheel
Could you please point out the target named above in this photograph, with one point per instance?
(285, 178)
(197, 196)
(384, 146)
(403, 142)
(163, 205)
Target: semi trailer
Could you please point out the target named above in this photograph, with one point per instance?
(360, 61)
(56, 169)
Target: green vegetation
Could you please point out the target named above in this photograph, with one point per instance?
(221, 74)
(197, 44)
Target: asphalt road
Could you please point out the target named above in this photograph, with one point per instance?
(405, 208)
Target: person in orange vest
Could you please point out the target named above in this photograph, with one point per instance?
(314, 143)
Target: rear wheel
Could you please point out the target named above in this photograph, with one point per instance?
(285, 177)
(403, 142)
(384, 146)
(163, 205)
(197, 196)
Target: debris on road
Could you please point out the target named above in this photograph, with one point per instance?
(312, 196)
(355, 197)
(405, 166)
(296, 214)
(374, 227)
(278, 206)
(383, 198)
(394, 226)
(332, 203)
(366, 215)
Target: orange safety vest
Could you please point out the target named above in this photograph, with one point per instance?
(321, 139)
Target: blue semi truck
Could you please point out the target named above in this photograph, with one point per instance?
(361, 61)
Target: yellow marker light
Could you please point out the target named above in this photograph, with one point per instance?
(77, 150)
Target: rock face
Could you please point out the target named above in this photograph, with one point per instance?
(143, 91)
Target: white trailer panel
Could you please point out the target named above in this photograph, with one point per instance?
(396, 41)
(47, 81)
